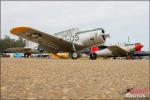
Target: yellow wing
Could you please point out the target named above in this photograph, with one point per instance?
(44, 39)
(116, 50)
(20, 50)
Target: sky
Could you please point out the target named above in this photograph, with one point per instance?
(120, 19)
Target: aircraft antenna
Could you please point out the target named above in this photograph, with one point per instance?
(128, 40)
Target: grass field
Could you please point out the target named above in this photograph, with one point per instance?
(71, 79)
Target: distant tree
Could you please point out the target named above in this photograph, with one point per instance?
(7, 42)
(20, 43)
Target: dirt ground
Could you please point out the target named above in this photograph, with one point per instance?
(71, 79)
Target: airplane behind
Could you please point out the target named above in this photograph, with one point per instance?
(114, 50)
(30, 48)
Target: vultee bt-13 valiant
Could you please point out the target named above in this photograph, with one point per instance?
(71, 41)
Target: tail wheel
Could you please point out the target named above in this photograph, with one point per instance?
(27, 55)
(93, 56)
(114, 57)
(128, 57)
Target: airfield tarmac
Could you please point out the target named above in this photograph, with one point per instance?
(71, 79)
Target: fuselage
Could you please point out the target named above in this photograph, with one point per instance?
(85, 38)
(129, 48)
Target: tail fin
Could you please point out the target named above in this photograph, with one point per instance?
(30, 44)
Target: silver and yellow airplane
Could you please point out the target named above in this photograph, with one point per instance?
(72, 40)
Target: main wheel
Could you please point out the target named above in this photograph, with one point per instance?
(93, 56)
(75, 55)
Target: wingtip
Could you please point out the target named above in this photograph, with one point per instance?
(18, 30)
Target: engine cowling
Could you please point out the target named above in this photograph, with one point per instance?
(138, 46)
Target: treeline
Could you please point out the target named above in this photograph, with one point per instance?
(7, 42)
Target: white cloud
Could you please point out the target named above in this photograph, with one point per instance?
(119, 18)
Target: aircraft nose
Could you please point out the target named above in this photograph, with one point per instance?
(138, 46)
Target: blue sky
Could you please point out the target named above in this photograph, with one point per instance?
(119, 18)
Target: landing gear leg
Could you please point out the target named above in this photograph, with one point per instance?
(93, 55)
